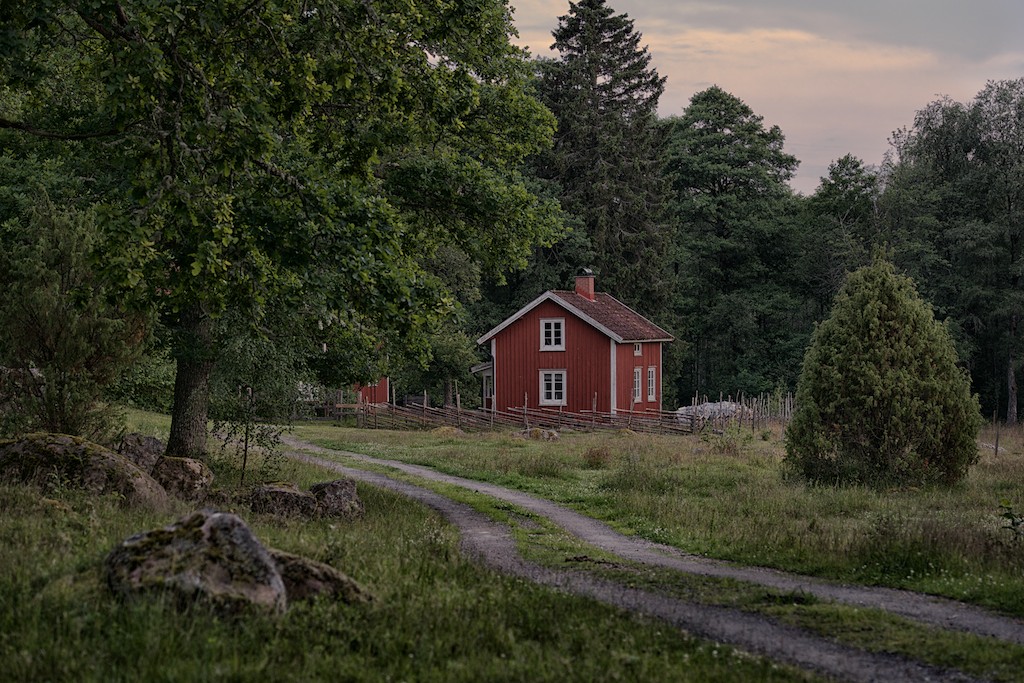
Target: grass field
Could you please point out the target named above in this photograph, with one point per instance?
(436, 616)
(730, 497)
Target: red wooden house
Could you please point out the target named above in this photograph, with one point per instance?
(575, 351)
(378, 392)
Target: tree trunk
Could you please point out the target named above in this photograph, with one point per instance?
(191, 385)
(1011, 393)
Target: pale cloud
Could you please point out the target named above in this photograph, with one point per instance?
(837, 78)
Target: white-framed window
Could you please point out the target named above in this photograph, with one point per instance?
(637, 386)
(638, 349)
(552, 387)
(552, 334)
(652, 383)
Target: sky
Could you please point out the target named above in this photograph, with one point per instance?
(837, 76)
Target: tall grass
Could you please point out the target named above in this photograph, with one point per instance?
(731, 496)
(436, 616)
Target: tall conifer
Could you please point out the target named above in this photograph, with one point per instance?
(605, 158)
(880, 398)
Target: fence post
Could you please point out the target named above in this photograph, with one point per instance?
(458, 407)
(526, 416)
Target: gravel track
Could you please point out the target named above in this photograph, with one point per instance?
(492, 544)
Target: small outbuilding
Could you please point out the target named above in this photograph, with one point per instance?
(577, 351)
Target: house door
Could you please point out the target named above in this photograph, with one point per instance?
(488, 391)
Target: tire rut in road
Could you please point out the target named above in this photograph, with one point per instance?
(492, 544)
(929, 610)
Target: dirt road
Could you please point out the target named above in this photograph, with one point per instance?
(493, 545)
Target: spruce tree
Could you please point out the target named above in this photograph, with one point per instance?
(881, 400)
(606, 154)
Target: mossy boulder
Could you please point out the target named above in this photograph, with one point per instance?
(338, 498)
(305, 579)
(282, 499)
(186, 478)
(141, 449)
(55, 461)
(208, 557)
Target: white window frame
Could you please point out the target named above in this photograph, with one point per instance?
(556, 324)
(637, 386)
(652, 383)
(548, 395)
(638, 349)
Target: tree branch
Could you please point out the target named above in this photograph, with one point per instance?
(58, 135)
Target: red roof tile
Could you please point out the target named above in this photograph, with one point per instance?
(611, 313)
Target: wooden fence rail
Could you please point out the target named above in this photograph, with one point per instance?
(760, 412)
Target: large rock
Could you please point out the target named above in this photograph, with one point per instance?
(305, 579)
(338, 498)
(54, 461)
(186, 478)
(210, 557)
(142, 450)
(282, 499)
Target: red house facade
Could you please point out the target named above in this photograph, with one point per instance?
(378, 392)
(575, 351)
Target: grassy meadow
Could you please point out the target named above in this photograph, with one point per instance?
(435, 617)
(731, 497)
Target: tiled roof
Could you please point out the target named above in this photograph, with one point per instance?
(614, 315)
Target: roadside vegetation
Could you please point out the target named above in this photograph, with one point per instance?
(436, 616)
(731, 496)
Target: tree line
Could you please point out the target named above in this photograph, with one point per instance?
(690, 218)
(295, 193)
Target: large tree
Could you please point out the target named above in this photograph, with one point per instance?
(842, 227)
(734, 223)
(955, 212)
(281, 150)
(605, 161)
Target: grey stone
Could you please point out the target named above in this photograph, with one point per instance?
(210, 557)
(338, 498)
(282, 499)
(186, 478)
(53, 461)
(305, 579)
(142, 450)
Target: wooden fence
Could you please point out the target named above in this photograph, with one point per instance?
(761, 412)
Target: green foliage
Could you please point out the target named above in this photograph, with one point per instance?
(62, 340)
(732, 441)
(450, 355)
(953, 208)
(881, 400)
(605, 161)
(254, 152)
(148, 384)
(743, 319)
(259, 385)
(843, 224)
(1014, 520)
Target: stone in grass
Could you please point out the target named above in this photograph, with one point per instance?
(283, 500)
(305, 579)
(538, 434)
(55, 461)
(185, 478)
(338, 498)
(142, 450)
(208, 557)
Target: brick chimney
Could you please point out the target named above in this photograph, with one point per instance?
(585, 284)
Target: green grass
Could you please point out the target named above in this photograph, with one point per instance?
(541, 542)
(436, 616)
(730, 497)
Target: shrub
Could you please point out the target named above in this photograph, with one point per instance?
(63, 338)
(880, 399)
